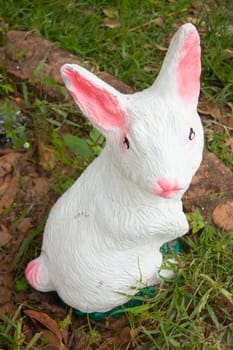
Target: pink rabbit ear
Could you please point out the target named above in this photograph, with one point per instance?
(180, 73)
(188, 68)
(96, 99)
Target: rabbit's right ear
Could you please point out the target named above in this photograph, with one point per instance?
(96, 99)
(181, 69)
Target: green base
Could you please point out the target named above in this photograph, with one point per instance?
(136, 300)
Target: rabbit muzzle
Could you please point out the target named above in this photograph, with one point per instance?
(167, 188)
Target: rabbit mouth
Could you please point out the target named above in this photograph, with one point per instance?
(166, 188)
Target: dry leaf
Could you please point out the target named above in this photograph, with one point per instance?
(229, 143)
(111, 12)
(150, 69)
(108, 344)
(210, 108)
(47, 321)
(228, 54)
(159, 21)
(25, 225)
(192, 20)
(110, 23)
(51, 340)
(196, 5)
(5, 295)
(47, 157)
(8, 180)
(161, 48)
(230, 29)
(7, 308)
(7, 161)
(5, 235)
(88, 12)
(125, 335)
(117, 323)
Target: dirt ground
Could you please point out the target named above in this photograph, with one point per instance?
(27, 196)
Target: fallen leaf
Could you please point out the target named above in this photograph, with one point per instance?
(156, 21)
(111, 12)
(196, 5)
(108, 344)
(8, 179)
(25, 225)
(5, 295)
(229, 143)
(110, 23)
(5, 183)
(88, 12)
(228, 54)
(6, 308)
(125, 335)
(5, 235)
(230, 29)
(7, 161)
(117, 323)
(159, 21)
(192, 20)
(47, 157)
(150, 69)
(51, 340)
(47, 321)
(210, 108)
(161, 48)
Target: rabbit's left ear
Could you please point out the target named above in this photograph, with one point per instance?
(181, 69)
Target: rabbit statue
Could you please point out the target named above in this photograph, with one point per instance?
(102, 239)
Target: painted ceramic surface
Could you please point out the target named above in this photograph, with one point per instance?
(102, 239)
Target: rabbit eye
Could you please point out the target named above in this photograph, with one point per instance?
(191, 134)
(126, 142)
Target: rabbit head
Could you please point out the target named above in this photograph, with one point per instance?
(153, 137)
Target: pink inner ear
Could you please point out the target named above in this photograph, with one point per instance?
(189, 69)
(99, 105)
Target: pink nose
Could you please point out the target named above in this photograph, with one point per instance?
(165, 188)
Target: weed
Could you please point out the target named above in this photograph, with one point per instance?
(196, 221)
(195, 298)
(14, 124)
(219, 146)
(85, 148)
(6, 86)
(11, 336)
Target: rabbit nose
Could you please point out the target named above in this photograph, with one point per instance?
(166, 188)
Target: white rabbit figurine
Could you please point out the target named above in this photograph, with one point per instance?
(103, 236)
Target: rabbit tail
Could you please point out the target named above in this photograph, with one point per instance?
(37, 275)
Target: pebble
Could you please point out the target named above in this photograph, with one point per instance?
(223, 215)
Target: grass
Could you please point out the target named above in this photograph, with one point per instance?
(127, 39)
(126, 50)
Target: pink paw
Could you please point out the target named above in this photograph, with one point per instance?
(31, 272)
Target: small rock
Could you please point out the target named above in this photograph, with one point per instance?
(5, 235)
(223, 216)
